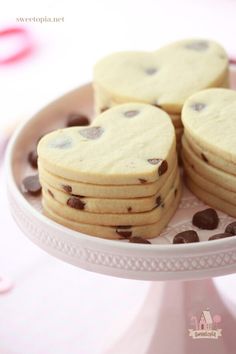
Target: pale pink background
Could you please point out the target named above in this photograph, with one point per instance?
(55, 308)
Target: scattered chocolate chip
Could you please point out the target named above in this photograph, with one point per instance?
(32, 185)
(129, 209)
(199, 46)
(219, 236)
(92, 132)
(188, 236)
(75, 203)
(124, 234)
(158, 201)
(204, 157)
(66, 188)
(50, 193)
(104, 109)
(137, 239)
(77, 119)
(151, 71)
(206, 219)
(163, 167)
(33, 158)
(175, 192)
(231, 228)
(131, 114)
(78, 196)
(61, 142)
(142, 180)
(198, 106)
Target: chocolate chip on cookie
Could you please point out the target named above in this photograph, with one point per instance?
(137, 239)
(33, 158)
(66, 188)
(219, 236)
(188, 236)
(142, 180)
(158, 201)
(206, 219)
(131, 114)
(151, 71)
(204, 157)
(50, 193)
(199, 46)
(163, 166)
(32, 185)
(231, 228)
(92, 133)
(198, 106)
(75, 203)
(77, 119)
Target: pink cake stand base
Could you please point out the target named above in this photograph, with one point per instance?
(171, 312)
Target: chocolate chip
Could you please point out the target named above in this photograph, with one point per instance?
(124, 234)
(157, 105)
(129, 209)
(131, 114)
(32, 185)
(204, 157)
(158, 201)
(137, 239)
(219, 236)
(92, 132)
(175, 192)
(154, 161)
(199, 46)
(163, 205)
(142, 180)
(188, 236)
(163, 167)
(198, 106)
(104, 109)
(67, 188)
(77, 119)
(50, 193)
(75, 203)
(206, 219)
(61, 142)
(124, 226)
(33, 158)
(78, 195)
(151, 71)
(231, 228)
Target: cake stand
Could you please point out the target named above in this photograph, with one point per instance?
(183, 312)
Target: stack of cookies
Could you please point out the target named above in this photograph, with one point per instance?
(117, 178)
(209, 147)
(164, 78)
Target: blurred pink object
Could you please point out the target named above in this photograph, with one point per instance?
(22, 44)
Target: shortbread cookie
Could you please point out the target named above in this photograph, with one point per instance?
(212, 188)
(165, 78)
(117, 232)
(209, 117)
(128, 144)
(105, 191)
(211, 199)
(209, 157)
(210, 173)
(76, 212)
(104, 205)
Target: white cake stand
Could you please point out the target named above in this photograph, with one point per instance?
(182, 315)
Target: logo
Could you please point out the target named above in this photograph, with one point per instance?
(206, 326)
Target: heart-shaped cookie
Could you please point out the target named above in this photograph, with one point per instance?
(128, 144)
(165, 78)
